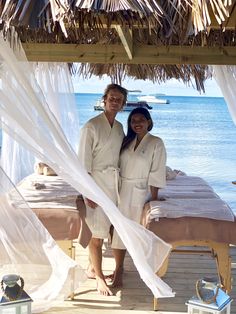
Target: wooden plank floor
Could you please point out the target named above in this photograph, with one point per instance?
(183, 271)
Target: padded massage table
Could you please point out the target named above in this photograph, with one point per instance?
(193, 216)
(53, 201)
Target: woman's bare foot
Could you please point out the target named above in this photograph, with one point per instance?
(118, 278)
(102, 287)
(110, 277)
(91, 275)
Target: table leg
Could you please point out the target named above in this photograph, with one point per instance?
(223, 261)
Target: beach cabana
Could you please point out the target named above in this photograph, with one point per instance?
(155, 40)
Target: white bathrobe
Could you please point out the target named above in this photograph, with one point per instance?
(99, 151)
(139, 169)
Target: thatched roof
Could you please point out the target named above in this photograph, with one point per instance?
(144, 39)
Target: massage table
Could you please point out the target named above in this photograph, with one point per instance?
(54, 202)
(193, 215)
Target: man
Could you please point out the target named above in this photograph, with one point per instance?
(100, 143)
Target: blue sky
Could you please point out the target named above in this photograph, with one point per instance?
(171, 87)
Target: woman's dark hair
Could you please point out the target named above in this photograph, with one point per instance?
(113, 86)
(130, 133)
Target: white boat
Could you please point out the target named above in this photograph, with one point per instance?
(99, 105)
(129, 106)
(153, 99)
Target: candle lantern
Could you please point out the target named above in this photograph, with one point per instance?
(13, 298)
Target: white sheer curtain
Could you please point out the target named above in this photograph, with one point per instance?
(16, 161)
(27, 249)
(56, 84)
(225, 76)
(27, 118)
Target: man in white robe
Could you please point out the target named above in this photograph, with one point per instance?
(100, 142)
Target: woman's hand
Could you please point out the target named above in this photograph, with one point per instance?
(157, 199)
(91, 203)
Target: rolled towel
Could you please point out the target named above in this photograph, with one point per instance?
(47, 171)
(170, 174)
(38, 167)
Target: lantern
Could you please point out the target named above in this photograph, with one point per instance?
(210, 299)
(13, 298)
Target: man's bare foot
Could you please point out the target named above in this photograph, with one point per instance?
(102, 287)
(118, 278)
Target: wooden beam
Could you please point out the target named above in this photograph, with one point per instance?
(125, 35)
(144, 54)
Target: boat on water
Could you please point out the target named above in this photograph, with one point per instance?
(153, 99)
(129, 106)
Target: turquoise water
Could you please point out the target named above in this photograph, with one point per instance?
(199, 135)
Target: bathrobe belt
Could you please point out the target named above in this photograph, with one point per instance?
(116, 172)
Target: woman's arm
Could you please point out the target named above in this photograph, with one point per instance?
(154, 193)
(157, 174)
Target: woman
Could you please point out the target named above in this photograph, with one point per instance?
(142, 173)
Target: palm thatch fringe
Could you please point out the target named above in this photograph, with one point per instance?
(151, 22)
(194, 75)
(171, 16)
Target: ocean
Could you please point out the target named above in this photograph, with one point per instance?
(198, 132)
(199, 135)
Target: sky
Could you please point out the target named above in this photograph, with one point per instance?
(171, 87)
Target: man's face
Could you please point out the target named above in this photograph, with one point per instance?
(114, 101)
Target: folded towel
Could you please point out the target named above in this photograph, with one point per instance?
(167, 193)
(52, 192)
(187, 180)
(214, 208)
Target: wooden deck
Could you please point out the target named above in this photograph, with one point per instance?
(183, 271)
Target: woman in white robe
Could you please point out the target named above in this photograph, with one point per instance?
(100, 143)
(142, 173)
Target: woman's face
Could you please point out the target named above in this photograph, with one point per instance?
(139, 124)
(114, 101)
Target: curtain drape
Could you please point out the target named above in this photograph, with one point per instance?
(26, 117)
(55, 81)
(225, 76)
(27, 249)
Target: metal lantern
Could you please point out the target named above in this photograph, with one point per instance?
(13, 298)
(210, 299)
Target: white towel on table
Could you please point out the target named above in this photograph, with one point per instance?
(214, 208)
